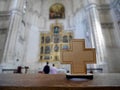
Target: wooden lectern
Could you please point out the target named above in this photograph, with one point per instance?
(78, 56)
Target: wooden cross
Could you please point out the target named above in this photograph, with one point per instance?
(78, 56)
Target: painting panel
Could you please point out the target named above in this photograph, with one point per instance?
(46, 57)
(65, 39)
(56, 48)
(57, 11)
(47, 50)
(56, 39)
(65, 47)
(47, 40)
(56, 30)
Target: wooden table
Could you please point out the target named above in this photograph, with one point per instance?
(110, 81)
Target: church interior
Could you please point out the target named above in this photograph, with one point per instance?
(35, 31)
(78, 37)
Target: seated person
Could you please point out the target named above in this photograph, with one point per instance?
(53, 69)
(46, 68)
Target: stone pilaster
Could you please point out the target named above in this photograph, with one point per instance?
(96, 35)
(14, 26)
(115, 12)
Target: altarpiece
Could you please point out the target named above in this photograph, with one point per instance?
(53, 41)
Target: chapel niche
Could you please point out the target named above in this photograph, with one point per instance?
(53, 41)
(57, 11)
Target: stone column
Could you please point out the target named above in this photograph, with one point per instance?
(96, 35)
(115, 12)
(16, 11)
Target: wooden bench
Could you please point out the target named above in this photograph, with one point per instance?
(3, 70)
(18, 70)
(94, 69)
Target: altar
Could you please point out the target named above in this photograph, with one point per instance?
(103, 81)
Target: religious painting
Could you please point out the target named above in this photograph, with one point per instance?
(47, 50)
(53, 41)
(57, 11)
(56, 30)
(65, 39)
(56, 48)
(56, 39)
(47, 40)
(65, 47)
(46, 57)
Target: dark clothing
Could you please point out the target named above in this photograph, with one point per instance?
(46, 69)
(18, 70)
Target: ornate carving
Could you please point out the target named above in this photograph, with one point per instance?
(47, 39)
(57, 11)
(56, 48)
(65, 39)
(52, 42)
(47, 50)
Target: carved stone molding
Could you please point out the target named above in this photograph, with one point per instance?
(34, 12)
(107, 25)
(90, 6)
(3, 30)
(4, 15)
(104, 7)
(115, 5)
(17, 11)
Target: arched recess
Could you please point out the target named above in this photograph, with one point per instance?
(57, 11)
